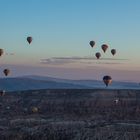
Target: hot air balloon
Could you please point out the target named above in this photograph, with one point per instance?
(29, 39)
(2, 92)
(98, 55)
(107, 80)
(92, 43)
(1, 52)
(116, 101)
(113, 51)
(6, 72)
(34, 109)
(104, 47)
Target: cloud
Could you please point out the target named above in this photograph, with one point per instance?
(9, 53)
(81, 60)
(52, 61)
(109, 63)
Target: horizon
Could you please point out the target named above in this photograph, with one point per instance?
(59, 78)
(61, 34)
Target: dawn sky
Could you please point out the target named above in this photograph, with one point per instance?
(61, 31)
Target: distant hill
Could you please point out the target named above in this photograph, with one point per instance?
(32, 82)
(89, 83)
(18, 84)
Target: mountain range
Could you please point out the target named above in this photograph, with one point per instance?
(33, 82)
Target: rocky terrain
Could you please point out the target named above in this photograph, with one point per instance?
(70, 114)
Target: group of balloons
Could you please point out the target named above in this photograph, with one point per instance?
(106, 79)
(104, 47)
(7, 71)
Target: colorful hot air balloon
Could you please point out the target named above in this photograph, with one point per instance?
(1, 52)
(6, 72)
(104, 47)
(98, 55)
(107, 80)
(113, 51)
(92, 43)
(29, 39)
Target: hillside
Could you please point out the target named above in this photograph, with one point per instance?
(19, 84)
(70, 114)
(40, 82)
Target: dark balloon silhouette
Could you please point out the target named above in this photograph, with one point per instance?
(104, 47)
(107, 80)
(98, 55)
(29, 39)
(1, 52)
(2, 92)
(113, 51)
(92, 43)
(6, 72)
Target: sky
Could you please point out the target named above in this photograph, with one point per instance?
(61, 32)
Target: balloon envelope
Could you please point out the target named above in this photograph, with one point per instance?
(107, 80)
(2, 92)
(1, 52)
(98, 55)
(29, 39)
(104, 47)
(6, 72)
(34, 109)
(92, 43)
(113, 51)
